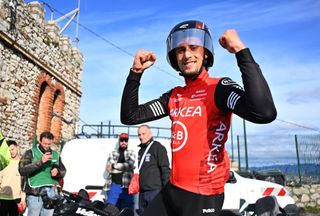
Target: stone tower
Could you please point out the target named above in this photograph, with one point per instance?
(40, 75)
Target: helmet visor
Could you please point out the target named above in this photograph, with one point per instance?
(192, 36)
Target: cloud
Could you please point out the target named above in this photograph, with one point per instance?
(306, 96)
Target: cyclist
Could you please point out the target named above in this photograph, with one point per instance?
(200, 113)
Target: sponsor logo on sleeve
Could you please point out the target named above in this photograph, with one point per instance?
(230, 82)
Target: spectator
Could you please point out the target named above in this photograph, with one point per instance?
(42, 168)
(11, 194)
(120, 165)
(154, 171)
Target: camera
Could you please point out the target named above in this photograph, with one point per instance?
(50, 201)
(47, 202)
(49, 151)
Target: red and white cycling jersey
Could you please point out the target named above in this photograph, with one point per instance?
(201, 116)
(200, 163)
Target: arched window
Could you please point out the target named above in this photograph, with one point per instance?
(45, 108)
(58, 108)
(49, 107)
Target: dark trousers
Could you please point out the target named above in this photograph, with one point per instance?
(119, 197)
(9, 208)
(145, 199)
(174, 201)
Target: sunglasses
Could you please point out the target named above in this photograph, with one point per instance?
(123, 140)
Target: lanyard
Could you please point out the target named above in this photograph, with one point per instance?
(144, 155)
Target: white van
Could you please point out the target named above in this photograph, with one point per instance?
(85, 161)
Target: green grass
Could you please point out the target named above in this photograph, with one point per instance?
(311, 210)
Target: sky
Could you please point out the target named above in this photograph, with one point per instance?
(282, 35)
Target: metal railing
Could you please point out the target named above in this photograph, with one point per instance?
(109, 131)
(297, 156)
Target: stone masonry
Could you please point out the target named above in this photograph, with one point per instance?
(306, 195)
(40, 75)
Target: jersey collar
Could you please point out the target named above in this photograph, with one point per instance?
(201, 78)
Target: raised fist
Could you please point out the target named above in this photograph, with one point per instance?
(143, 60)
(231, 41)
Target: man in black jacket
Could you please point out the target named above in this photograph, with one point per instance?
(154, 171)
(42, 168)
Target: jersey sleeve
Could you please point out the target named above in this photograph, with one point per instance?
(253, 102)
(134, 113)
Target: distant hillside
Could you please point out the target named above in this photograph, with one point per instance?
(289, 169)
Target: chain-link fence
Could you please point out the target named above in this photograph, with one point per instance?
(296, 156)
